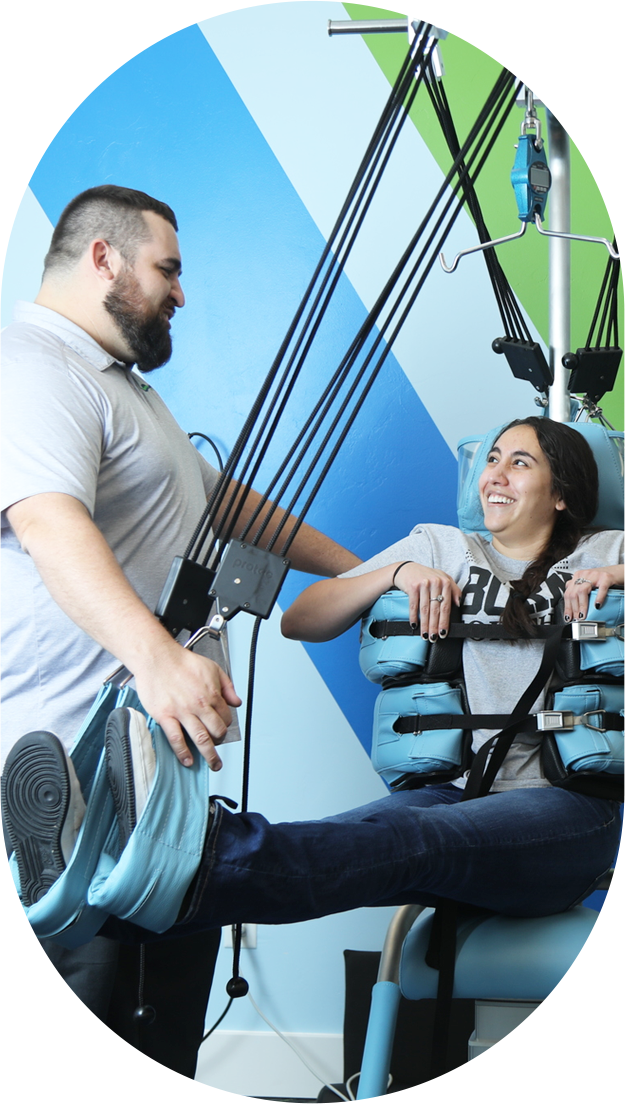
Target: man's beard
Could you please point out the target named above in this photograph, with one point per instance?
(147, 336)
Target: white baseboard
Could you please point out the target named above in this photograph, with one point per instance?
(259, 1063)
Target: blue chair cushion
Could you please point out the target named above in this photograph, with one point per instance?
(499, 957)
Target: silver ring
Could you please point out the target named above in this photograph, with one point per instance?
(578, 581)
(439, 598)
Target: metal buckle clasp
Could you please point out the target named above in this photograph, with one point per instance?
(555, 720)
(588, 630)
(562, 720)
(595, 630)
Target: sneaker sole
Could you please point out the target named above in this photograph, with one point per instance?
(120, 773)
(36, 792)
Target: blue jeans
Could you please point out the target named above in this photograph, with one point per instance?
(526, 852)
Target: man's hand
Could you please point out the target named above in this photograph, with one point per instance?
(182, 691)
(189, 696)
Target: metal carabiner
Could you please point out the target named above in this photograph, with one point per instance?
(583, 719)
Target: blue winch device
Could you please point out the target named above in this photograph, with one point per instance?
(530, 176)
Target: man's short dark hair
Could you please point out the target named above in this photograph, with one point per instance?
(109, 212)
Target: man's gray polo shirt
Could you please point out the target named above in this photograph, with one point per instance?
(76, 421)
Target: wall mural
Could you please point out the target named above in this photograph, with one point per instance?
(251, 126)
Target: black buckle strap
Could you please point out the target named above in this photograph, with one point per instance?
(472, 630)
(485, 765)
(547, 720)
(416, 723)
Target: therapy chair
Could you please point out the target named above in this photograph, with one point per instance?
(507, 965)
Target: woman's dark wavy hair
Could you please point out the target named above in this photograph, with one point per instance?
(575, 479)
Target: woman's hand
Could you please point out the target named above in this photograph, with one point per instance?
(431, 594)
(577, 590)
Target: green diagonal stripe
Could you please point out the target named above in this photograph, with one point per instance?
(469, 76)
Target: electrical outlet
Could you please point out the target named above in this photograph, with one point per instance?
(248, 936)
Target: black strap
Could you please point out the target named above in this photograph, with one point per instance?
(441, 952)
(472, 630)
(436, 722)
(485, 765)
(441, 956)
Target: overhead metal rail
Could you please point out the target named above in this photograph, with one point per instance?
(461, 23)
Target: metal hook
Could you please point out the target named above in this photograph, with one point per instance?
(575, 237)
(213, 629)
(480, 248)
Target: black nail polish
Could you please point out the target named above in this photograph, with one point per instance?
(434, 636)
(566, 617)
(598, 605)
(425, 636)
(443, 633)
(581, 616)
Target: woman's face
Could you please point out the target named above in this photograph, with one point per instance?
(515, 491)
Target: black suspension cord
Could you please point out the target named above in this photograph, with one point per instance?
(502, 86)
(607, 305)
(595, 366)
(509, 309)
(391, 339)
(387, 317)
(362, 181)
(238, 986)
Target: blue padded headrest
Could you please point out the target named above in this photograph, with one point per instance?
(606, 444)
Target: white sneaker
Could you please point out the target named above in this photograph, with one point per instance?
(130, 766)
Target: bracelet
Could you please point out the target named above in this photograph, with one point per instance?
(399, 569)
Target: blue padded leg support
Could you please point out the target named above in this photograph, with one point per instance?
(63, 913)
(148, 881)
(376, 1060)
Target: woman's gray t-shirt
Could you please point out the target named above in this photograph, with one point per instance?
(497, 672)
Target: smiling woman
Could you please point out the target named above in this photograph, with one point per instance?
(517, 495)
(539, 492)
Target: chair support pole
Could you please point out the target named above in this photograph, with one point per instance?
(559, 268)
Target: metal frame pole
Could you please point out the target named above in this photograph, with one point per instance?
(559, 269)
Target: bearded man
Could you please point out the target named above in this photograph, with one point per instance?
(102, 489)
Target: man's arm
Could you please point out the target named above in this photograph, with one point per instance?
(311, 550)
(179, 689)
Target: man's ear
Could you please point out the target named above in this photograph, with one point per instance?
(105, 260)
